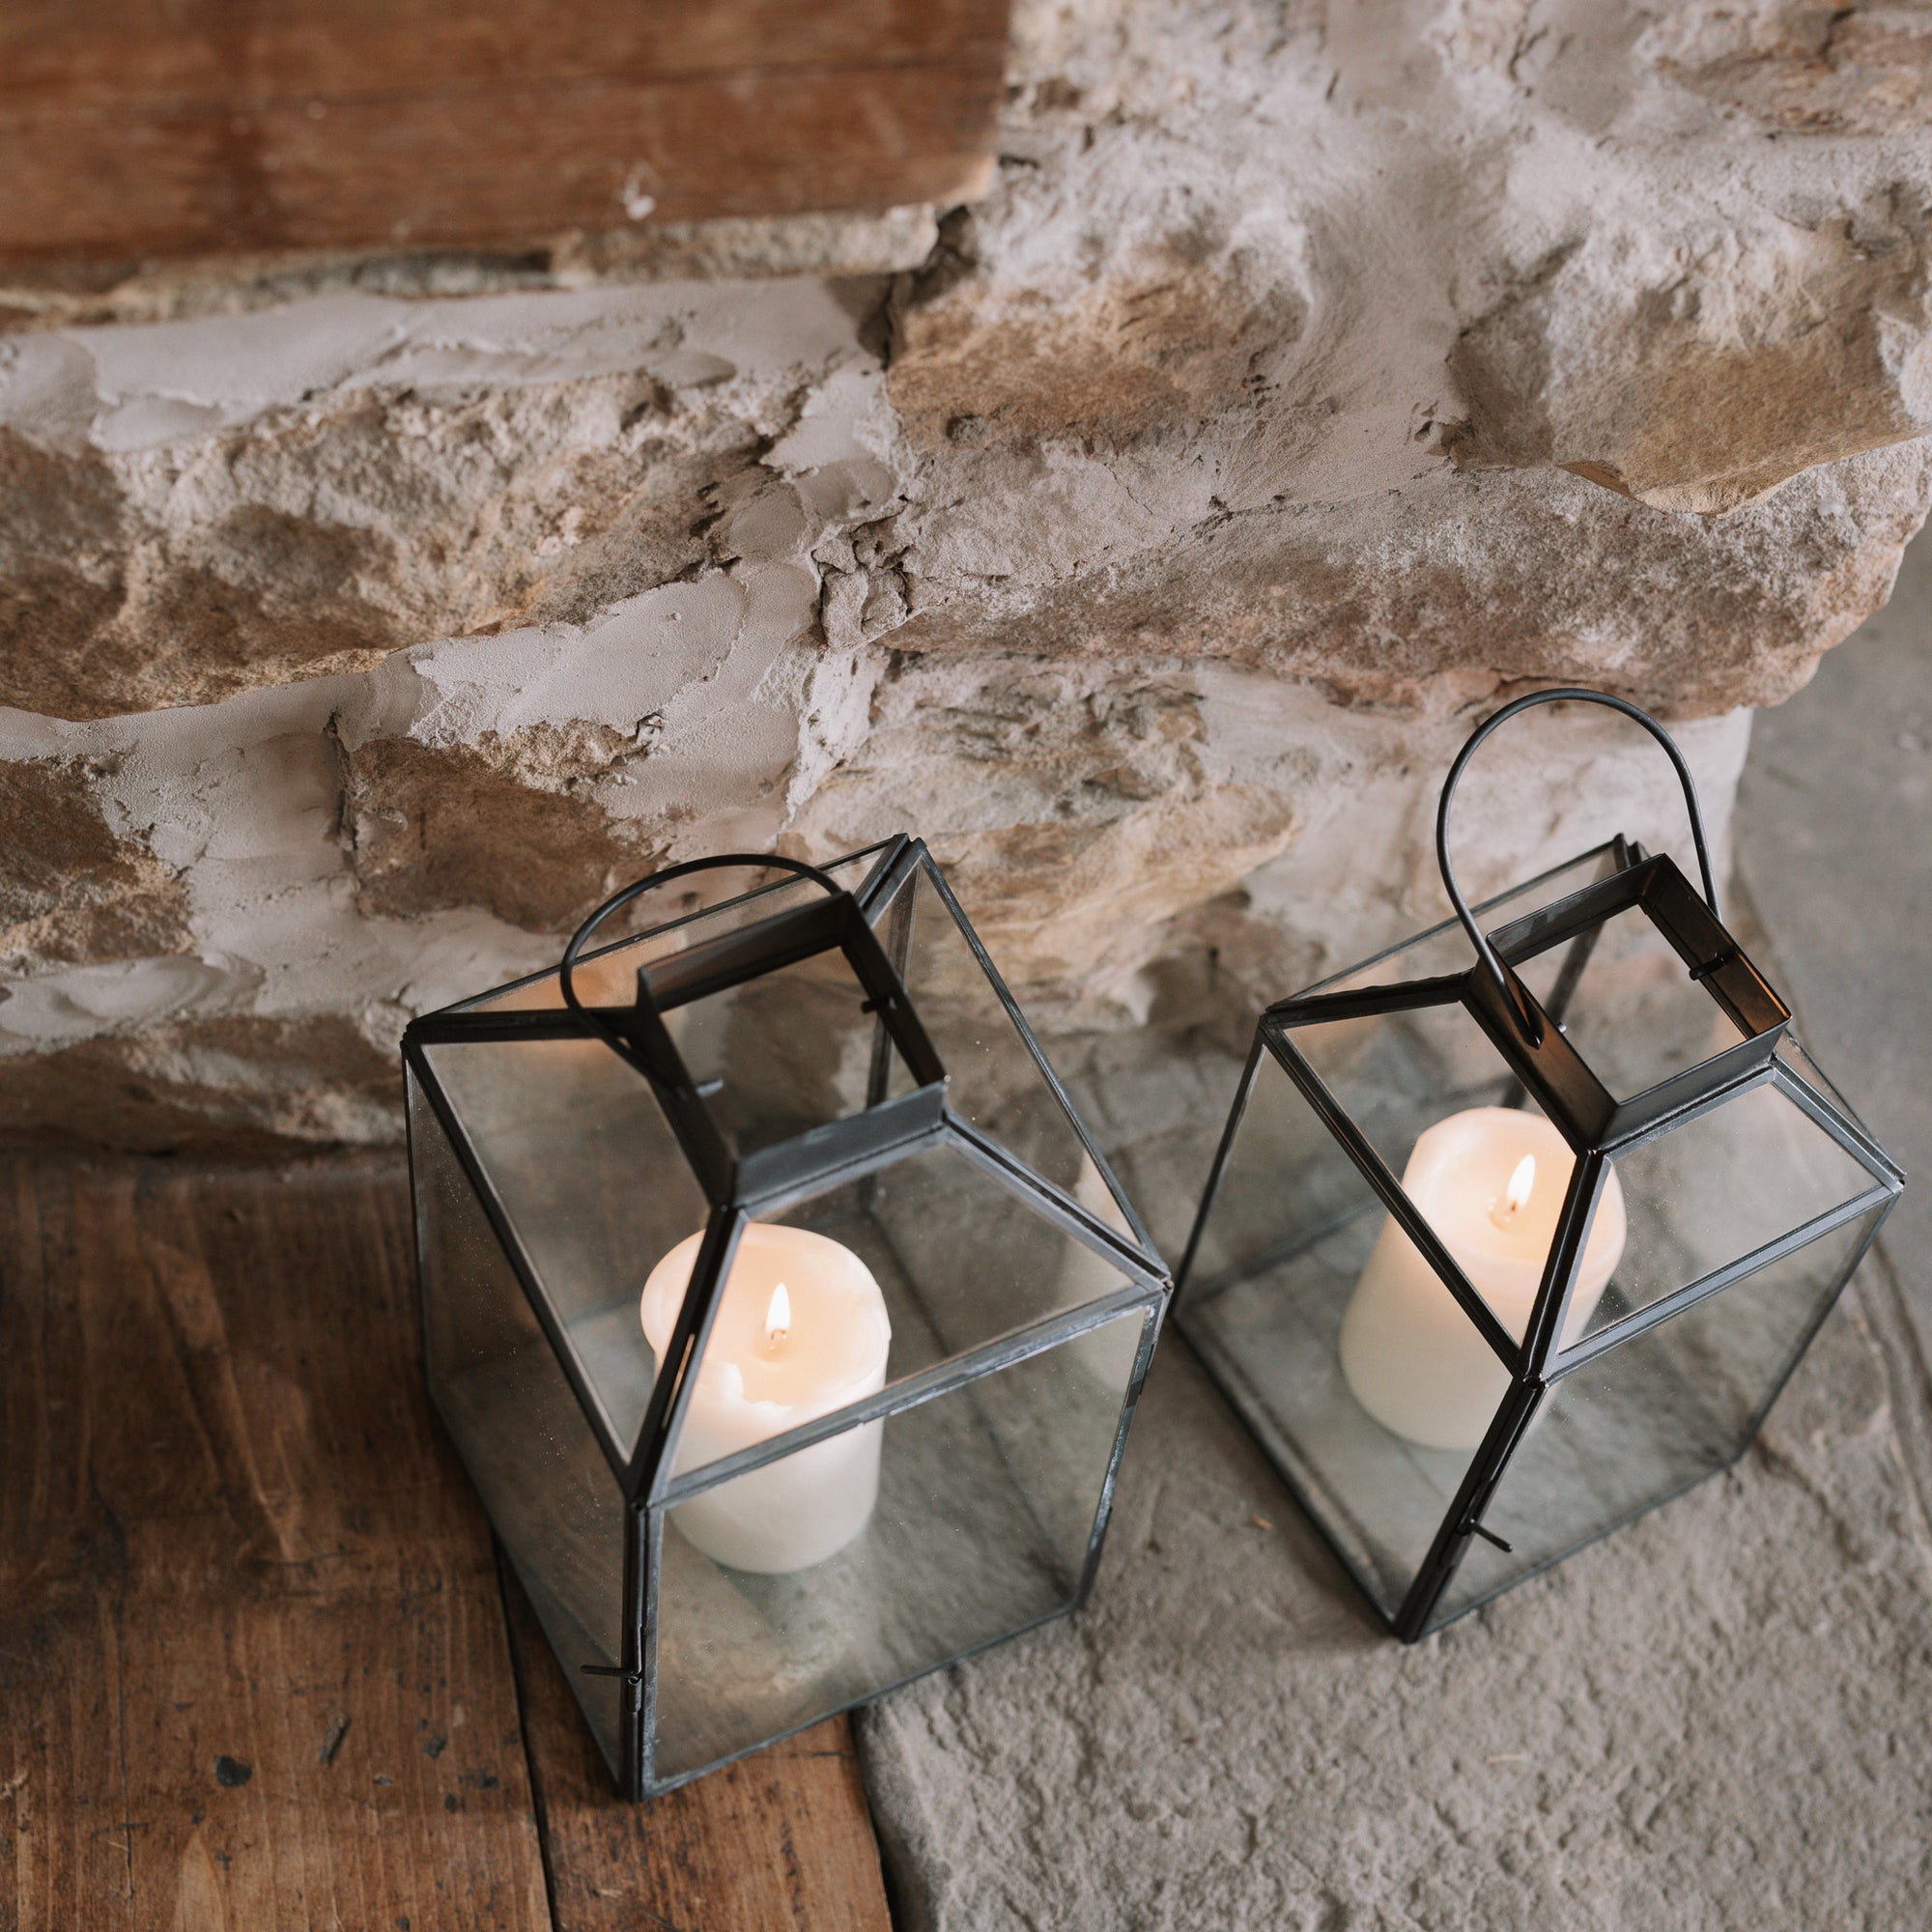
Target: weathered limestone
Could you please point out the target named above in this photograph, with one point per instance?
(1865, 68)
(75, 890)
(191, 558)
(1149, 548)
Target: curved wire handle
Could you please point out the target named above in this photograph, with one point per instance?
(1485, 951)
(567, 967)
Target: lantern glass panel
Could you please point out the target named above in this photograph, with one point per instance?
(1397, 1075)
(995, 1080)
(572, 1141)
(1285, 1239)
(960, 1257)
(551, 1494)
(1727, 1183)
(1445, 948)
(988, 1497)
(1652, 1415)
(607, 976)
(1795, 1056)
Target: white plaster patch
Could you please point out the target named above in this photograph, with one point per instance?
(47, 388)
(54, 1009)
(150, 385)
(618, 672)
(229, 368)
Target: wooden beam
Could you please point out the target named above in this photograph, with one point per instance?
(171, 127)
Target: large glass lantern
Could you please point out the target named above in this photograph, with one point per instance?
(784, 1315)
(1498, 1254)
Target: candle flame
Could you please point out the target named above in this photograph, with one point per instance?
(1521, 1183)
(777, 1315)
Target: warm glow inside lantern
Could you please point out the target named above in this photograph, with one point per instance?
(1497, 1256)
(783, 1312)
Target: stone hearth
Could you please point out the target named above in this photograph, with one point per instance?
(1713, 1720)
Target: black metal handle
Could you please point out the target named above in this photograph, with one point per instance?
(567, 967)
(1485, 951)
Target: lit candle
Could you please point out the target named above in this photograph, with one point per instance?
(1490, 1182)
(801, 1330)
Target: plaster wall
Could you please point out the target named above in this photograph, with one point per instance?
(1311, 377)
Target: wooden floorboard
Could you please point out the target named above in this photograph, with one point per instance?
(254, 1665)
(778, 1842)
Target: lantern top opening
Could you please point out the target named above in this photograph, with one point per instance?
(740, 1015)
(834, 1016)
(1534, 1033)
(606, 974)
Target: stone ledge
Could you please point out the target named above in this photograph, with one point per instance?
(733, 248)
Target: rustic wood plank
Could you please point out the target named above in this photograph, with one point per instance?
(778, 1842)
(252, 1660)
(117, 50)
(223, 126)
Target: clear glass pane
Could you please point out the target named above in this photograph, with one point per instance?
(1395, 1075)
(1357, 1370)
(1445, 948)
(1157, 1104)
(682, 915)
(1482, 1163)
(1718, 1189)
(593, 1181)
(550, 1493)
(1794, 1055)
(987, 1498)
(949, 1256)
(1652, 1416)
(995, 1082)
(1631, 1008)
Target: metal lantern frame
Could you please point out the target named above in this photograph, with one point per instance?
(1530, 1037)
(867, 924)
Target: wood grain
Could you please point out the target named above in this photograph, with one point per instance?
(254, 1671)
(254, 1664)
(778, 1842)
(217, 126)
(113, 50)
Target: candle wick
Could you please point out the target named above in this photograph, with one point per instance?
(777, 1315)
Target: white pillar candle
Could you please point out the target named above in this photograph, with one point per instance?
(800, 1331)
(1490, 1182)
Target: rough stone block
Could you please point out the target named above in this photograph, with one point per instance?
(1148, 547)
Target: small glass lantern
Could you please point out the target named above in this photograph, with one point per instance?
(1494, 1257)
(802, 1142)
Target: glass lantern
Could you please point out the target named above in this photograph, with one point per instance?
(1494, 1257)
(784, 1315)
